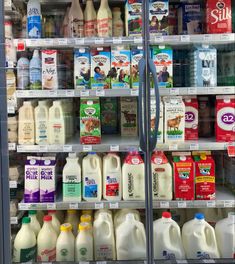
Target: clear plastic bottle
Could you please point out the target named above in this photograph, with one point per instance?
(118, 25)
(90, 25)
(73, 219)
(76, 20)
(104, 20)
(35, 71)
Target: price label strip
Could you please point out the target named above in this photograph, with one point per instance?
(164, 204)
(51, 206)
(87, 148)
(99, 205)
(73, 206)
(182, 204)
(114, 205)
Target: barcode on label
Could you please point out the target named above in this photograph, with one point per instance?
(164, 204)
(114, 148)
(87, 148)
(84, 93)
(99, 205)
(182, 204)
(67, 148)
(73, 206)
(185, 38)
(210, 204)
(113, 205)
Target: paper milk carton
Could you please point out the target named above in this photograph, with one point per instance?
(109, 115)
(120, 68)
(31, 182)
(49, 69)
(47, 179)
(100, 68)
(163, 59)
(82, 68)
(153, 119)
(133, 15)
(174, 118)
(158, 17)
(136, 56)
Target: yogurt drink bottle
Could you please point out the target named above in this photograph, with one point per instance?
(104, 20)
(55, 222)
(34, 23)
(73, 219)
(41, 113)
(90, 26)
(34, 223)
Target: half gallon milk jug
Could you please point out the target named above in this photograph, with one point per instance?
(112, 175)
(41, 113)
(92, 178)
(46, 241)
(34, 23)
(90, 19)
(104, 243)
(133, 177)
(55, 222)
(131, 239)
(120, 216)
(65, 244)
(106, 211)
(167, 238)
(34, 223)
(72, 179)
(199, 239)
(35, 71)
(104, 20)
(25, 248)
(225, 235)
(23, 72)
(84, 243)
(73, 219)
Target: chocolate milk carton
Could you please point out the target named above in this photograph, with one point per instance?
(153, 119)
(136, 56)
(49, 69)
(133, 15)
(191, 117)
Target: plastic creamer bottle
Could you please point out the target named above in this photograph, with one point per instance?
(72, 179)
(130, 239)
(76, 20)
(162, 176)
(120, 216)
(90, 19)
(199, 239)
(112, 175)
(46, 241)
(41, 113)
(35, 71)
(104, 20)
(92, 178)
(133, 177)
(65, 244)
(25, 248)
(225, 235)
(73, 219)
(104, 243)
(55, 222)
(34, 223)
(23, 72)
(167, 238)
(34, 23)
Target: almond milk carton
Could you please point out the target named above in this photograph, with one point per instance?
(191, 117)
(49, 69)
(153, 119)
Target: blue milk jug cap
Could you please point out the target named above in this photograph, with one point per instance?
(199, 216)
(92, 153)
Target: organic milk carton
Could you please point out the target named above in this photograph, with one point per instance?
(100, 68)
(153, 120)
(158, 17)
(191, 117)
(109, 115)
(183, 176)
(47, 179)
(133, 15)
(82, 69)
(120, 68)
(49, 69)
(225, 118)
(174, 116)
(31, 184)
(163, 59)
(204, 175)
(136, 56)
(129, 116)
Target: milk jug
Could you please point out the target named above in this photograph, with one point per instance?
(26, 124)
(73, 219)
(225, 235)
(162, 176)
(41, 113)
(120, 216)
(34, 23)
(34, 223)
(104, 20)
(46, 241)
(25, 248)
(72, 179)
(104, 243)
(55, 222)
(76, 20)
(167, 238)
(112, 175)
(131, 239)
(65, 244)
(92, 178)
(23, 72)
(90, 26)
(133, 177)
(84, 243)
(35, 71)
(199, 239)
(106, 211)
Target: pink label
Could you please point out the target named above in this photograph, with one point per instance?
(191, 119)
(90, 28)
(47, 255)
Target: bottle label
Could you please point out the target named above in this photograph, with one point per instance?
(47, 255)
(104, 27)
(34, 26)
(90, 28)
(104, 252)
(42, 132)
(71, 188)
(35, 76)
(64, 254)
(91, 188)
(83, 253)
(27, 254)
(112, 186)
(118, 29)
(77, 27)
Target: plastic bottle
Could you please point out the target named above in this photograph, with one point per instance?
(25, 248)
(73, 219)
(34, 23)
(120, 216)
(35, 71)
(55, 222)
(34, 223)
(72, 179)
(23, 72)
(41, 113)
(199, 239)
(10, 49)
(46, 241)
(90, 25)
(92, 178)
(104, 20)
(65, 244)
(65, 25)
(76, 20)
(118, 25)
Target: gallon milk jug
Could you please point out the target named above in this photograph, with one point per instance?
(55, 222)
(73, 219)
(112, 175)
(167, 238)
(162, 176)
(84, 243)
(199, 239)
(225, 235)
(35, 71)
(23, 72)
(92, 178)
(34, 23)
(72, 179)
(41, 113)
(104, 20)
(25, 248)
(46, 241)
(34, 224)
(130, 239)
(120, 216)
(65, 244)
(90, 26)
(133, 177)
(104, 243)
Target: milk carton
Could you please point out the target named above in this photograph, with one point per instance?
(173, 19)
(163, 59)
(225, 118)
(120, 68)
(100, 68)
(174, 116)
(133, 15)
(158, 17)
(47, 179)
(136, 56)
(31, 185)
(49, 69)
(82, 69)
(153, 119)
(183, 176)
(191, 118)
(109, 118)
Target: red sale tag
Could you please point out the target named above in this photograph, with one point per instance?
(21, 45)
(231, 150)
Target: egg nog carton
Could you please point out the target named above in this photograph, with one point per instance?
(133, 15)
(160, 132)
(136, 55)
(174, 119)
(49, 69)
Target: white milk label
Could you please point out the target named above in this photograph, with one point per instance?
(104, 252)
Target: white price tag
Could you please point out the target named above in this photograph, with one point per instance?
(51, 206)
(185, 38)
(99, 41)
(183, 261)
(134, 92)
(24, 206)
(229, 90)
(79, 41)
(211, 90)
(164, 204)
(152, 92)
(208, 261)
(12, 146)
(182, 204)
(207, 37)
(100, 92)
(158, 39)
(114, 148)
(34, 42)
(84, 93)
(117, 40)
(73, 206)
(42, 148)
(225, 37)
(14, 220)
(13, 184)
(48, 42)
(192, 90)
(173, 147)
(137, 40)
(62, 42)
(52, 93)
(20, 93)
(10, 64)
(114, 205)
(174, 91)
(10, 109)
(20, 148)
(84, 262)
(99, 205)
(228, 204)
(87, 148)
(67, 148)
(101, 262)
(194, 146)
(210, 204)
(69, 93)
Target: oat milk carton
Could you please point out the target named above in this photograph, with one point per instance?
(136, 56)
(133, 15)
(153, 119)
(191, 117)
(49, 69)
(174, 118)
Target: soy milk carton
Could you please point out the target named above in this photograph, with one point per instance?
(136, 56)
(191, 118)
(153, 120)
(133, 15)
(49, 69)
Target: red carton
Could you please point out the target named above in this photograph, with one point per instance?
(191, 118)
(218, 16)
(183, 176)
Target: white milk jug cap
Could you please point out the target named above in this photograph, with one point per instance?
(130, 217)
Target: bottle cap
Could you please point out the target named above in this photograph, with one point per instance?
(84, 226)
(72, 211)
(26, 220)
(66, 227)
(203, 156)
(85, 218)
(32, 212)
(166, 214)
(47, 218)
(92, 153)
(199, 216)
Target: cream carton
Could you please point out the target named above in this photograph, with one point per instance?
(49, 69)
(153, 119)
(136, 56)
